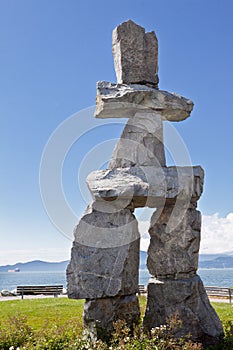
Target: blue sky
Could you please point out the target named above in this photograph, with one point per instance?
(52, 53)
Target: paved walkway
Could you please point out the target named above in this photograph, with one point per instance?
(215, 300)
(220, 300)
(29, 297)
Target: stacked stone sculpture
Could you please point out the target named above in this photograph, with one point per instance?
(105, 255)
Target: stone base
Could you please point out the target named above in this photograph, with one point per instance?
(186, 298)
(105, 256)
(100, 314)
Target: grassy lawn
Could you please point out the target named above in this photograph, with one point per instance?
(39, 311)
(56, 324)
(224, 311)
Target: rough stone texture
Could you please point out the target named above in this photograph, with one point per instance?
(100, 314)
(124, 101)
(105, 256)
(135, 54)
(173, 252)
(188, 299)
(141, 143)
(147, 186)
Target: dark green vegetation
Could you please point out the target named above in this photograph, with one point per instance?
(56, 324)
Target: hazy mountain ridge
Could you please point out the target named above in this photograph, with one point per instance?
(218, 263)
(205, 261)
(37, 265)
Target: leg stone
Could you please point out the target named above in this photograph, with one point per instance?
(105, 256)
(186, 298)
(100, 314)
(173, 252)
(176, 289)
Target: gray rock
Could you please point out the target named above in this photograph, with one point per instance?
(141, 143)
(99, 315)
(105, 256)
(147, 185)
(173, 252)
(135, 54)
(186, 298)
(124, 101)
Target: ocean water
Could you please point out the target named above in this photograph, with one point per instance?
(210, 277)
(9, 281)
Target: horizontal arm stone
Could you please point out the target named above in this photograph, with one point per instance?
(124, 101)
(148, 185)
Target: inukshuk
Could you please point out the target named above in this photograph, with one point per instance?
(105, 255)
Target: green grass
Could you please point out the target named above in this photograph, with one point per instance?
(224, 311)
(39, 311)
(142, 300)
(56, 324)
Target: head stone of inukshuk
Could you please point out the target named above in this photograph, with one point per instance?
(104, 262)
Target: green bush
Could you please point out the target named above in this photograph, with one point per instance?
(227, 342)
(59, 337)
(159, 338)
(15, 333)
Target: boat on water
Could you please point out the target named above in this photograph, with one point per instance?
(17, 269)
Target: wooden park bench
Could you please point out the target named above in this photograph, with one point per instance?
(37, 290)
(219, 292)
(141, 289)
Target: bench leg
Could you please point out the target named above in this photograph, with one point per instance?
(22, 294)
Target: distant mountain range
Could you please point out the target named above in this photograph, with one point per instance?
(205, 261)
(36, 265)
(220, 262)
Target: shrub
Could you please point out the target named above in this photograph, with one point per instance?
(16, 334)
(227, 342)
(59, 337)
(159, 338)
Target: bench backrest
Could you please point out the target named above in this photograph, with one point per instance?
(141, 289)
(219, 292)
(55, 289)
